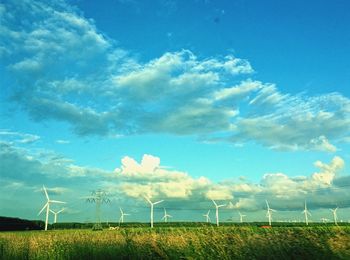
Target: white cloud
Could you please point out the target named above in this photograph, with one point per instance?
(219, 192)
(17, 137)
(62, 141)
(328, 172)
(248, 204)
(100, 89)
(240, 91)
(322, 144)
(25, 168)
(149, 178)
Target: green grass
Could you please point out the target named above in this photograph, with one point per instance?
(228, 242)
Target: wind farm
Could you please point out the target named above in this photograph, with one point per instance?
(128, 237)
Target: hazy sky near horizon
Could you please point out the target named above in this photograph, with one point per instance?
(238, 101)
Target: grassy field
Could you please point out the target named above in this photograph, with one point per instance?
(226, 242)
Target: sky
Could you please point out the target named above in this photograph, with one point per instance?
(183, 101)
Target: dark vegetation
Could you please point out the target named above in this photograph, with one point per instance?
(16, 224)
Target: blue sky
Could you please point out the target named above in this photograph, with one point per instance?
(186, 101)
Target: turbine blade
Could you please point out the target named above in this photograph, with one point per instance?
(214, 203)
(57, 201)
(43, 208)
(47, 196)
(149, 201)
(121, 211)
(222, 205)
(52, 211)
(60, 211)
(158, 202)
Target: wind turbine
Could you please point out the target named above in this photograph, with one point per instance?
(269, 212)
(56, 213)
(207, 216)
(241, 216)
(306, 213)
(334, 211)
(47, 206)
(217, 211)
(122, 214)
(152, 204)
(324, 220)
(166, 216)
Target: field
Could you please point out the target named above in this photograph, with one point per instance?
(227, 242)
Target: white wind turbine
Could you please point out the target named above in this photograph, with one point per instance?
(47, 206)
(56, 213)
(324, 220)
(269, 212)
(122, 214)
(217, 211)
(306, 214)
(334, 211)
(207, 216)
(166, 216)
(241, 216)
(152, 204)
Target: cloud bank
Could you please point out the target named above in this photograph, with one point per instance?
(149, 178)
(24, 170)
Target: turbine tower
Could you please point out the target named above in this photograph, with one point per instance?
(334, 211)
(152, 205)
(241, 216)
(99, 197)
(166, 216)
(47, 206)
(217, 211)
(56, 213)
(207, 216)
(269, 212)
(306, 214)
(122, 214)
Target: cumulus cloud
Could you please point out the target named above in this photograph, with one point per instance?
(285, 193)
(327, 173)
(22, 167)
(149, 178)
(99, 88)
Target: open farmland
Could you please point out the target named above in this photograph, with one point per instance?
(227, 242)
